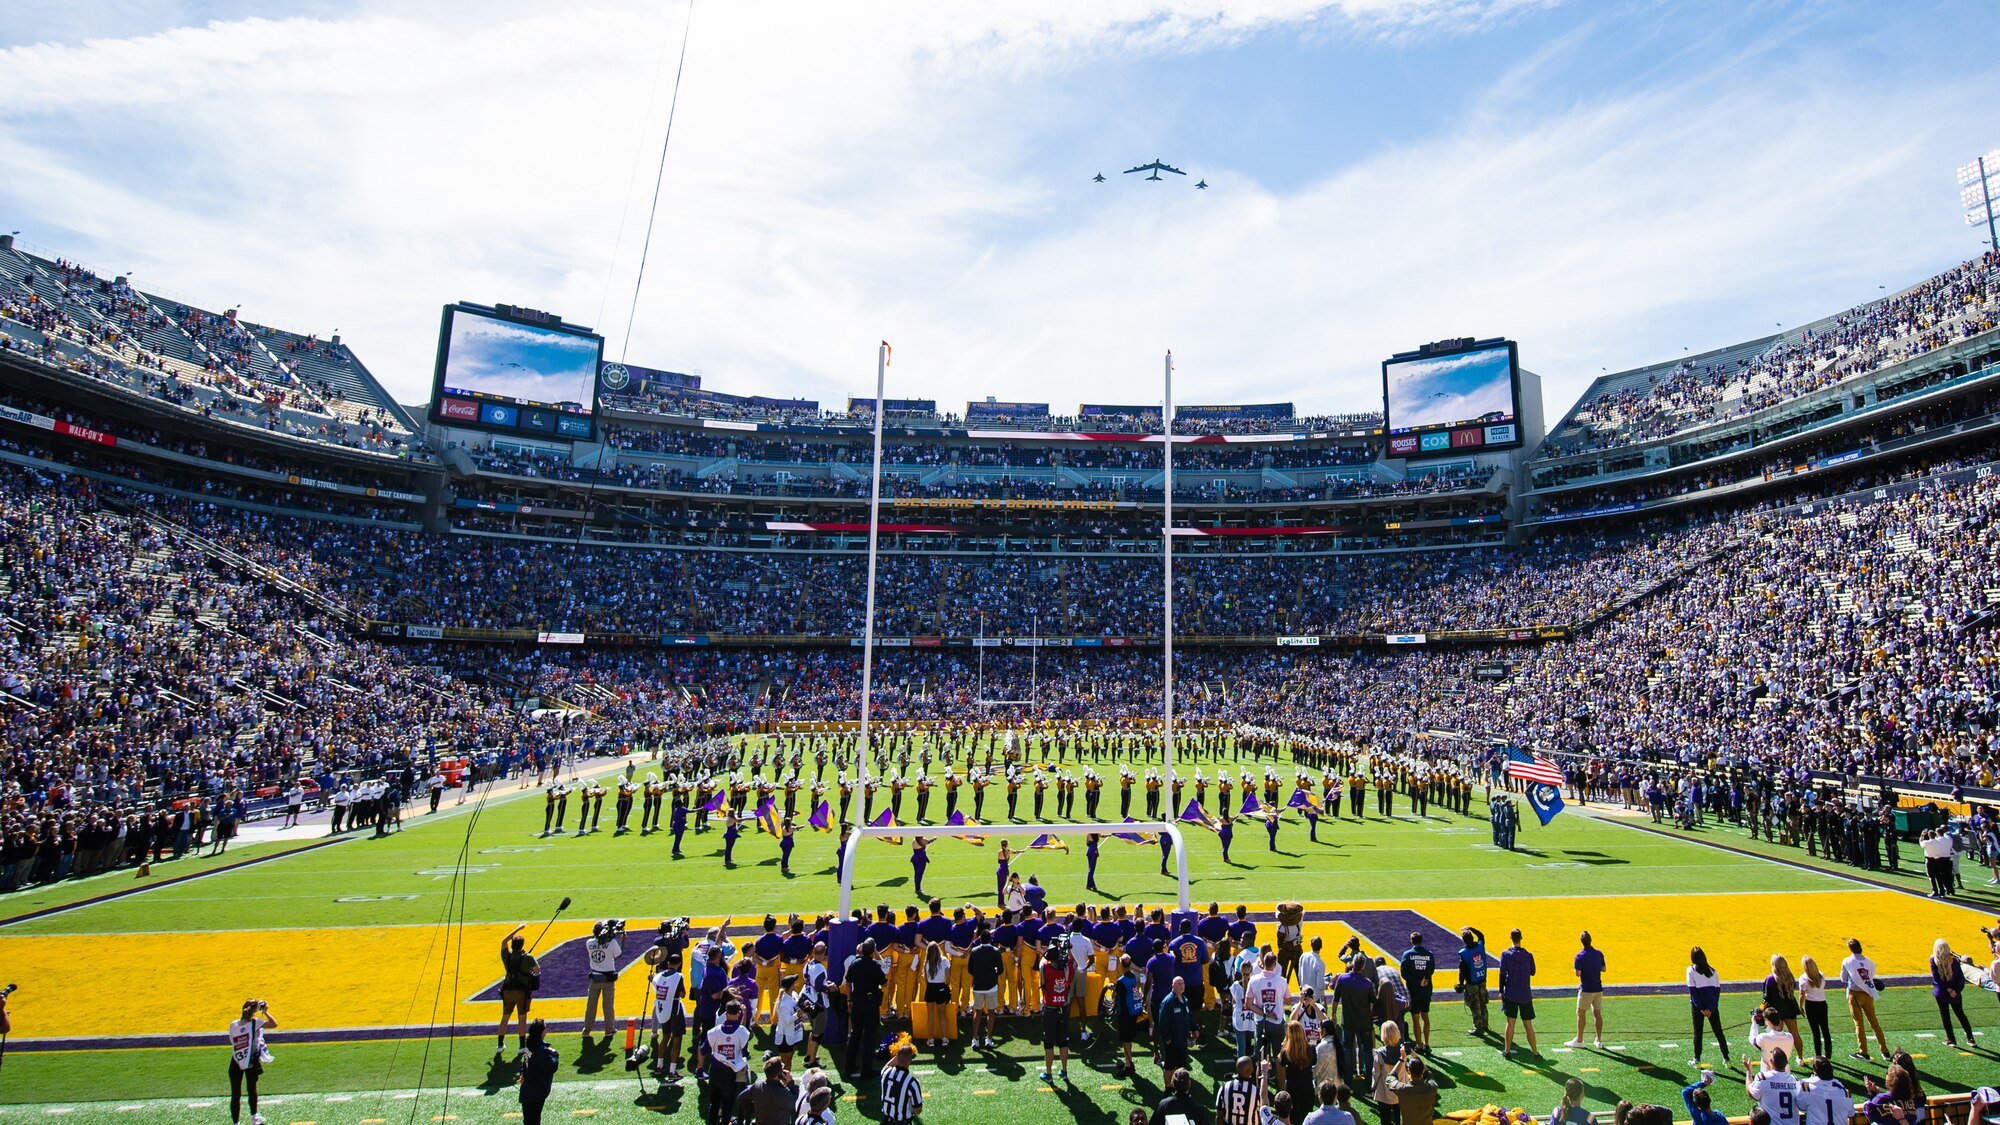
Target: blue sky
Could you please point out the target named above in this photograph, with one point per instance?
(1607, 183)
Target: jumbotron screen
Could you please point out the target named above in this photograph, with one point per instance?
(1458, 398)
(516, 372)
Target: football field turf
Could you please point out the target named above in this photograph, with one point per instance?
(362, 947)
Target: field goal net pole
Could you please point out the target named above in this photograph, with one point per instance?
(852, 850)
(874, 540)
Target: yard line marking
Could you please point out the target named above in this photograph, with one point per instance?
(981, 1093)
(434, 1117)
(53, 1110)
(1587, 1070)
(1112, 1086)
(1565, 1050)
(1926, 1035)
(340, 1097)
(1451, 1054)
(1670, 1046)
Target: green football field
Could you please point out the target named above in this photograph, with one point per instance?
(364, 946)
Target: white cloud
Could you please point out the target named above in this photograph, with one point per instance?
(841, 173)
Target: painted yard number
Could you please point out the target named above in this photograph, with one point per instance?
(448, 872)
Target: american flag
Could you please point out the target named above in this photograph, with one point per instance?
(1532, 767)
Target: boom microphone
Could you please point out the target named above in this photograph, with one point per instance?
(560, 907)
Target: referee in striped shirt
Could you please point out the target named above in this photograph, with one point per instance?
(1236, 1100)
(902, 1095)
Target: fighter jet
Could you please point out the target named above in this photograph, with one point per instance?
(1201, 185)
(1156, 167)
(1097, 179)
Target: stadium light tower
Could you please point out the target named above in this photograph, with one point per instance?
(1978, 182)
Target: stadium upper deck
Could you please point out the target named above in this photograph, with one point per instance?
(214, 364)
(209, 405)
(1666, 400)
(1911, 370)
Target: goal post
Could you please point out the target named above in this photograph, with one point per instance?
(853, 847)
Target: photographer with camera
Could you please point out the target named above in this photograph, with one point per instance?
(247, 1057)
(1058, 980)
(604, 946)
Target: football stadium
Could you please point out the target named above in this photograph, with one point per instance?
(538, 727)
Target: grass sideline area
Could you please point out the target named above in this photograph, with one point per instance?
(368, 1083)
(352, 937)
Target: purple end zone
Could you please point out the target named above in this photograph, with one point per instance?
(1390, 930)
(566, 967)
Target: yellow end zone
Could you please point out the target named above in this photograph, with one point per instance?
(361, 977)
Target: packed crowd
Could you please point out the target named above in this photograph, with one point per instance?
(787, 412)
(1956, 304)
(150, 696)
(1847, 638)
(500, 584)
(793, 471)
(857, 450)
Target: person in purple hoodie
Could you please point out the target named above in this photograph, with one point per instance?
(1517, 993)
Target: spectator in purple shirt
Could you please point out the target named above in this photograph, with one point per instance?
(1589, 989)
(1517, 994)
(1160, 974)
